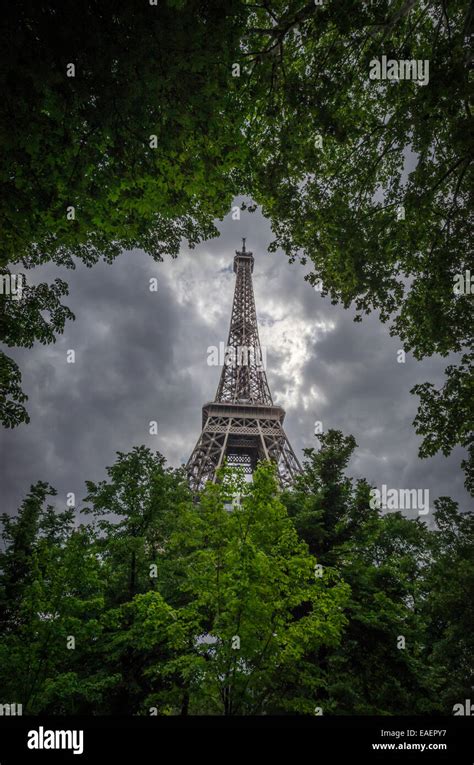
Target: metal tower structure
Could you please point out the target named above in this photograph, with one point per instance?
(242, 425)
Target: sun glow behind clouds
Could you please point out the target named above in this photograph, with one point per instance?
(290, 343)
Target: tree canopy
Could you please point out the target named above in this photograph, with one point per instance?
(246, 600)
(118, 131)
(369, 180)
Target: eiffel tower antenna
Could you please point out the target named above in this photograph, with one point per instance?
(242, 425)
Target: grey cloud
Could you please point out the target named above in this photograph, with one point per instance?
(142, 356)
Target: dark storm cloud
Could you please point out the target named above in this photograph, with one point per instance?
(143, 356)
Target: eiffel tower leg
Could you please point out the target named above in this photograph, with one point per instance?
(279, 449)
(207, 455)
(224, 447)
(293, 467)
(262, 441)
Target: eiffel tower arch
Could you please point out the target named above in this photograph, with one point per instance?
(242, 425)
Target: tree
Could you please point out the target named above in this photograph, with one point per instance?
(115, 113)
(255, 607)
(38, 316)
(51, 600)
(380, 666)
(448, 592)
(244, 616)
(368, 180)
(135, 511)
(445, 417)
(20, 538)
(116, 134)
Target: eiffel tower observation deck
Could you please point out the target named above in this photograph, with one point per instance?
(242, 425)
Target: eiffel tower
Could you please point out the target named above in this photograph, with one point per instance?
(242, 425)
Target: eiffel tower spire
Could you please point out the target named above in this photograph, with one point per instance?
(242, 425)
(245, 381)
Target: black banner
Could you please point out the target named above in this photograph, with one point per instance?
(110, 739)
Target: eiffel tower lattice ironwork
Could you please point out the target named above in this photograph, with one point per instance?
(242, 425)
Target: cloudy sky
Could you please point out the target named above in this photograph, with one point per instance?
(142, 356)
